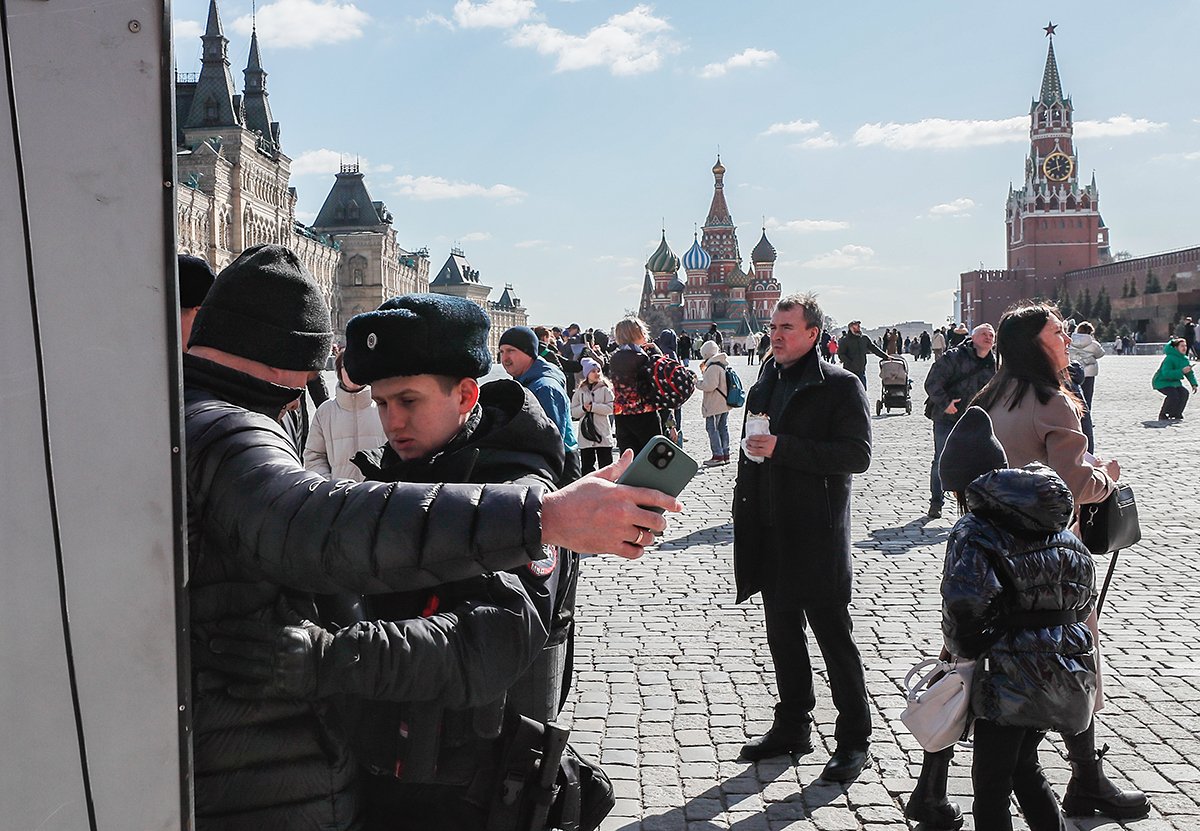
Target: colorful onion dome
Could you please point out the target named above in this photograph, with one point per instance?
(696, 258)
(764, 252)
(663, 260)
(737, 277)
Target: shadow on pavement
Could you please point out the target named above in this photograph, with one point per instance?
(715, 808)
(1155, 424)
(900, 539)
(716, 535)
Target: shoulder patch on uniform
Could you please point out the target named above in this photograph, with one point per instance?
(545, 566)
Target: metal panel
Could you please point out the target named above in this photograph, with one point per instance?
(91, 522)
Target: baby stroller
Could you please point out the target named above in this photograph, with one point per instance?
(893, 376)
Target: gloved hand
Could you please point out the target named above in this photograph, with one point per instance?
(270, 660)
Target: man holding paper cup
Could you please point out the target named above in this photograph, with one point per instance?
(792, 532)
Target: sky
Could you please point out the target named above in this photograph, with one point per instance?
(554, 140)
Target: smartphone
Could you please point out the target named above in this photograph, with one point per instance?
(663, 466)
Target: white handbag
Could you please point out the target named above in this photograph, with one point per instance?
(939, 704)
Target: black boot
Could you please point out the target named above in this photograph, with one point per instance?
(1090, 791)
(928, 803)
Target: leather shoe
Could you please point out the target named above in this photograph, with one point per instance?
(776, 742)
(844, 765)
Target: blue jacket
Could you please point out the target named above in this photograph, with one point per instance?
(549, 387)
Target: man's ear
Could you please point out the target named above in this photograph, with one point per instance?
(468, 395)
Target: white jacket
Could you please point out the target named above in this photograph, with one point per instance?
(601, 399)
(1086, 351)
(342, 426)
(714, 386)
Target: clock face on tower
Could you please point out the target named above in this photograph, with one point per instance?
(1058, 167)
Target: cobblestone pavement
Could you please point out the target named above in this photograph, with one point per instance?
(671, 676)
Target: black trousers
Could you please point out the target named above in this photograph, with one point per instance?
(594, 458)
(1174, 402)
(635, 431)
(1005, 763)
(833, 630)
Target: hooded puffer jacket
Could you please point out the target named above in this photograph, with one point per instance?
(1170, 372)
(1016, 590)
(260, 527)
(342, 426)
(1086, 351)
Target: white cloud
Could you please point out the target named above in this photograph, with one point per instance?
(531, 243)
(498, 14)
(435, 187)
(848, 256)
(949, 134)
(943, 133)
(306, 217)
(328, 162)
(1117, 125)
(476, 236)
(622, 263)
(432, 18)
(627, 44)
(746, 58)
(305, 23)
(958, 207)
(806, 226)
(1192, 156)
(186, 29)
(821, 142)
(792, 128)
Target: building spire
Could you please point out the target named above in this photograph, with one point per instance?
(1051, 84)
(213, 101)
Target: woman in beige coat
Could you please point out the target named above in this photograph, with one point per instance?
(1036, 417)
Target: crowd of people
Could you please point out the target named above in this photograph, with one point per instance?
(382, 599)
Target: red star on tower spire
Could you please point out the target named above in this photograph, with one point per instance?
(1049, 29)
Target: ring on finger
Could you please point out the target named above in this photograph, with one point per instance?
(638, 541)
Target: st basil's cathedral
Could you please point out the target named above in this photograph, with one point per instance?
(715, 288)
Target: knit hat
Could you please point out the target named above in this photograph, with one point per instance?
(708, 349)
(195, 279)
(588, 365)
(266, 307)
(523, 338)
(971, 450)
(418, 334)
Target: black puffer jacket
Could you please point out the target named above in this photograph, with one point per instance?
(1016, 589)
(961, 374)
(428, 676)
(259, 526)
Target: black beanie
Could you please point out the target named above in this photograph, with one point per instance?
(523, 338)
(418, 334)
(971, 450)
(266, 307)
(195, 279)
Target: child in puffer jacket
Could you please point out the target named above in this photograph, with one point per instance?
(1017, 588)
(593, 396)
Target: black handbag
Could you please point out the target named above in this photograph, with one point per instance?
(587, 427)
(1111, 525)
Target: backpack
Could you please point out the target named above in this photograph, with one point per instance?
(671, 383)
(735, 394)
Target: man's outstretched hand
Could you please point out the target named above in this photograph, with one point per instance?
(594, 515)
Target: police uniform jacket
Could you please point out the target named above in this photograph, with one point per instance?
(792, 511)
(260, 525)
(425, 679)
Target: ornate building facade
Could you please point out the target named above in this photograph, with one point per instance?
(716, 289)
(1058, 244)
(459, 279)
(234, 191)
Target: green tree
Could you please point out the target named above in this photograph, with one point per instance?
(1153, 286)
(1103, 308)
(1125, 289)
(1171, 284)
(1133, 292)
(1086, 312)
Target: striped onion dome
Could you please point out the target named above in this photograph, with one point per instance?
(663, 260)
(764, 252)
(696, 258)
